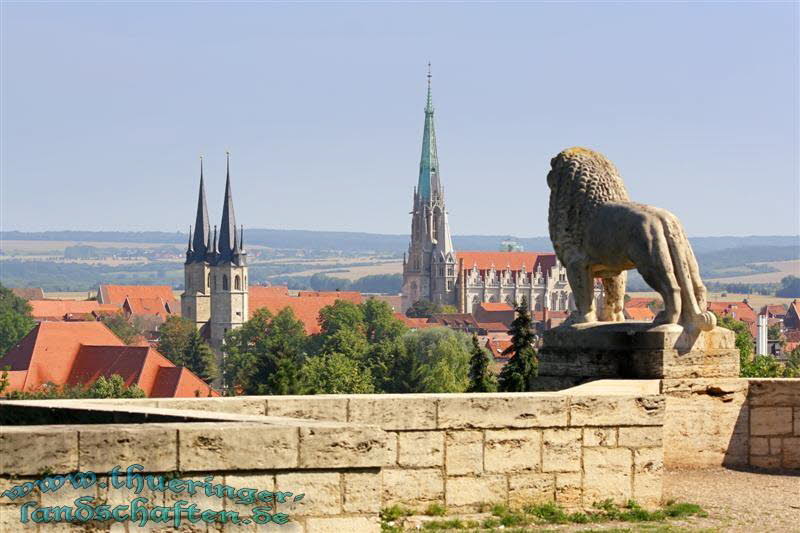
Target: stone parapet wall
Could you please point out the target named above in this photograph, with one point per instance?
(466, 450)
(732, 422)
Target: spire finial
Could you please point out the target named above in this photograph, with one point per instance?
(429, 103)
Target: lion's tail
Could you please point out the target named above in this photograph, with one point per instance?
(686, 271)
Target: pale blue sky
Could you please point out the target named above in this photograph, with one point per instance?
(106, 108)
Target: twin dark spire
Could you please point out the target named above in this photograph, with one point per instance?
(205, 246)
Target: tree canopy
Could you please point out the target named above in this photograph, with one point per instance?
(180, 341)
(15, 319)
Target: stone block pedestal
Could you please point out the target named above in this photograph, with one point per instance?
(636, 350)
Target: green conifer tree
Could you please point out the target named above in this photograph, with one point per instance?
(480, 378)
(523, 366)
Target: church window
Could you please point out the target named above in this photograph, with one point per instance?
(209, 281)
(449, 284)
(237, 283)
(224, 282)
(450, 271)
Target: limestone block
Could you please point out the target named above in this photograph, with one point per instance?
(323, 494)
(242, 405)
(561, 450)
(774, 392)
(310, 407)
(640, 436)
(362, 492)
(502, 411)
(616, 411)
(367, 524)
(10, 519)
(390, 454)
(420, 448)
(394, 411)
(759, 446)
(770, 421)
(473, 491)
(122, 495)
(707, 423)
(512, 450)
(599, 436)
(765, 461)
(154, 447)
(648, 473)
(67, 495)
(413, 488)
(568, 490)
(240, 500)
(791, 452)
(775, 447)
(37, 449)
(607, 474)
(236, 446)
(464, 453)
(797, 421)
(529, 489)
(341, 446)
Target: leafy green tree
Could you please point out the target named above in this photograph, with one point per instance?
(129, 331)
(113, 387)
(432, 360)
(522, 367)
(774, 333)
(480, 378)
(4, 383)
(790, 287)
(380, 322)
(180, 342)
(335, 374)
(425, 308)
(743, 341)
(264, 355)
(15, 319)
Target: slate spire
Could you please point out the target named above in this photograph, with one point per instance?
(202, 230)
(429, 185)
(227, 230)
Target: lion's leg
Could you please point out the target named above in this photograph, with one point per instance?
(582, 283)
(654, 263)
(614, 295)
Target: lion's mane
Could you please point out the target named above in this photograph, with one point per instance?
(580, 180)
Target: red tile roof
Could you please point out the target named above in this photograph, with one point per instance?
(739, 310)
(497, 347)
(306, 309)
(350, 296)
(776, 310)
(116, 294)
(495, 306)
(150, 306)
(29, 294)
(493, 327)
(639, 313)
(258, 291)
(640, 302)
(414, 323)
(71, 353)
(501, 260)
(56, 309)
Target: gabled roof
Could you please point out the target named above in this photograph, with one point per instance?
(349, 296)
(639, 313)
(739, 310)
(305, 309)
(116, 294)
(257, 291)
(56, 309)
(497, 347)
(776, 310)
(157, 306)
(29, 294)
(640, 302)
(414, 323)
(493, 326)
(502, 260)
(495, 306)
(73, 353)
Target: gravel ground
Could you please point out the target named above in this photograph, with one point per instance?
(738, 500)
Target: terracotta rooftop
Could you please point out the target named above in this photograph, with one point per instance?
(777, 310)
(56, 309)
(306, 309)
(639, 313)
(502, 260)
(157, 306)
(350, 296)
(640, 302)
(116, 294)
(71, 353)
(257, 291)
(414, 323)
(495, 306)
(739, 310)
(29, 294)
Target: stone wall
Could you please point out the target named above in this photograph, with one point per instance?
(466, 450)
(732, 422)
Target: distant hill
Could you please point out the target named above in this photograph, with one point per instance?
(376, 242)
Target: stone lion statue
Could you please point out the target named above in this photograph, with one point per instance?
(597, 232)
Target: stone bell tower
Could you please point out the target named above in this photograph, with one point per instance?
(196, 297)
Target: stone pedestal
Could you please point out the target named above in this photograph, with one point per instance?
(636, 350)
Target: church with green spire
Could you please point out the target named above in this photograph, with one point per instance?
(429, 266)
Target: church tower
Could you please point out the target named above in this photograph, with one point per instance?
(228, 272)
(196, 298)
(429, 267)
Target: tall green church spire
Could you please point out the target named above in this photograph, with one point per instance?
(429, 162)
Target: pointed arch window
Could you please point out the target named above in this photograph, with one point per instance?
(237, 283)
(208, 285)
(224, 282)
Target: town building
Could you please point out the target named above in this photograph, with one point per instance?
(433, 270)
